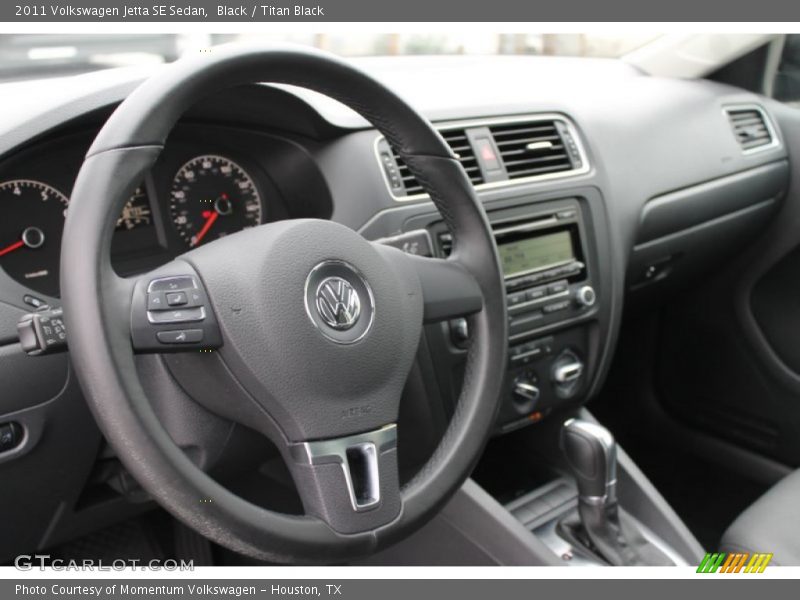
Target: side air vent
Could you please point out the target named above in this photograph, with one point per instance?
(534, 148)
(458, 142)
(750, 128)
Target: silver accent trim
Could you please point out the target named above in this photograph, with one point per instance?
(334, 451)
(167, 278)
(539, 145)
(569, 372)
(526, 390)
(370, 296)
(547, 533)
(609, 445)
(532, 225)
(497, 121)
(27, 232)
(586, 296)
(775, 143)
(338, 303)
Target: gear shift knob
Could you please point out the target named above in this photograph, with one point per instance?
(591, 453)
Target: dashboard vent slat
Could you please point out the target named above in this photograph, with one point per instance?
(531, 148)
(459, 144)
(750, 128)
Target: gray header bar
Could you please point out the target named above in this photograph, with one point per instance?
(188, 11)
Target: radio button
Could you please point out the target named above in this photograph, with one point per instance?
(556, 307)
(516, 298)
(559, 287)
(536, 293)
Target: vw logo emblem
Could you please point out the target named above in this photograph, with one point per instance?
(338, 303)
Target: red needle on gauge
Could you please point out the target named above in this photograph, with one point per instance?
(210, 216)
(12, 247)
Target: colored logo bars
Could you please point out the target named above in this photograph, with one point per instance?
(734, 562)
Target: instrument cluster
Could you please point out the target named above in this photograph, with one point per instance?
(194, 195)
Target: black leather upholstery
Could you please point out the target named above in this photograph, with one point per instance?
(770, 524)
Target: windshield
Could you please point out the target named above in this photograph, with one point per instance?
(32, 56)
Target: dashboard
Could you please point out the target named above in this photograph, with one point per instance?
(659, 191)
(208, 182)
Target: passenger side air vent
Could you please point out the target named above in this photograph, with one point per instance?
(535, 148)
(750, 128)
(458, 142)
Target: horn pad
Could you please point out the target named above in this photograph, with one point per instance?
(318, 326)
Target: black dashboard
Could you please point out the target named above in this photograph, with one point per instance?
(657, 191)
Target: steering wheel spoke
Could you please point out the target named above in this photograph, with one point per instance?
(349, 482)
(170, 311)
(449, 290)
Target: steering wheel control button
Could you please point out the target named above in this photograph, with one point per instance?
(180, 315)
(172, 284)
(339, 301)
(177, 298)
(416, 242)
(160, 304)
(174, 300)
(180, 336)
(156, 301)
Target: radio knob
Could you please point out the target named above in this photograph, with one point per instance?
(586, 296)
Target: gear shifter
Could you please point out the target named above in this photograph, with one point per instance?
(591, 453)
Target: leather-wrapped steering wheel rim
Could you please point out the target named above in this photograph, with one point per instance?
(97, 303)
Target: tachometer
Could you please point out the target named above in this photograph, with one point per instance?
(211, 197)
(30, 232)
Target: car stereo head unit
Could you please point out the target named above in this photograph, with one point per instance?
(540, 250)
(543, 265)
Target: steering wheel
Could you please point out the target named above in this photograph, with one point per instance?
(307, 330)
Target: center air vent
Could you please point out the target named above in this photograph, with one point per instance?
(497, 152)
(750, 128)
(458, 142)
(535, 148)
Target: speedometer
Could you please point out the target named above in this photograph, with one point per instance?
(30, 232)
(211, 197)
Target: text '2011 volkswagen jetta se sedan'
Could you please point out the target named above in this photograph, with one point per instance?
(267, 305)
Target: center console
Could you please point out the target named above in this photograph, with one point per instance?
(551, 279)
(527, 502)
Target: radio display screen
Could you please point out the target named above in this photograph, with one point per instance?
(534, 253)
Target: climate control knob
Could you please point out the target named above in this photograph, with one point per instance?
(586, 296)
(526, 390)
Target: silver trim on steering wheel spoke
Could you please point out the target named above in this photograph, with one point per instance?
(358, 456)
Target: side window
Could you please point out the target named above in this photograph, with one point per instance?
(786, 86)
